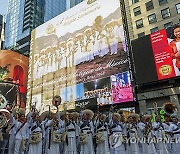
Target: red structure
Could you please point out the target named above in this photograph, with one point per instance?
(17, 72)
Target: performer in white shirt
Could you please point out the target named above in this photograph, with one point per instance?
(149, 134)
(132, 133)
(53, 136)
(168, 128)
(176, 134)
(102, 135)
(116, 130)
(13, 129)
(71, 132)
(141, 129)
(159, 133)
(87, 133)
(76, 121)
(36, 134)
(20, 132)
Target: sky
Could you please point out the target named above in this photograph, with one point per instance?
(3, 6)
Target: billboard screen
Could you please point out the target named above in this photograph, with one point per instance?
(81, 54)
(13, 77)
(161, 55)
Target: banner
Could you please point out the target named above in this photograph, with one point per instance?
(82, 46)
(162, 55)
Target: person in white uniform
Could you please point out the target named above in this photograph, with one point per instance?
(102, 135)
(159, 133)
(116, 130)
(71, 132)
(36, 134)
(53, 135)
(168, 128)
(132, 132)
(20, 132)
(141, 129)
(176, 134)
(149, 134)
(87, 133)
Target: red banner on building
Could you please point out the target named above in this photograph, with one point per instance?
(162, 55)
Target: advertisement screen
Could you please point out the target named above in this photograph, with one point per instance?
(166, 54)
(81, 54)
(161, 55)
(13, 77)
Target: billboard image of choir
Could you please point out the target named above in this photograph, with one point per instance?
(71, 51)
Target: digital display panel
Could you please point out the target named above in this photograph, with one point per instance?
(81, 54)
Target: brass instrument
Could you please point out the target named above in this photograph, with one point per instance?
(124, 115)
(148, 128)
(3, 120)
(169, 108)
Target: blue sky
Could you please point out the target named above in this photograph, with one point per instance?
(3, 6)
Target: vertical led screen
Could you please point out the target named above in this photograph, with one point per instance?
(166, 53)
(81, 55)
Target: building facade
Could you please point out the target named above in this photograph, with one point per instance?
(148, 16)
(53, 8)
(25, 15)
(143, 18)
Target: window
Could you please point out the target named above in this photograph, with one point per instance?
(178, 8)
(167, 25)
(135, 1)
(141, 35)
(149, 6)
(137, 11)
(139, 23)
(155, 29)
(165, 13)
(161, 2)
(152, 18)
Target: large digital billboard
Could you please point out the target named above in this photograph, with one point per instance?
(81, 54)
(161, 52)
(13, 78)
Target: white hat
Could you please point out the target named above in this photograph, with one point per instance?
(117, 115)
(134, 115)
(89, 112)
(146, 116)
(75, 114)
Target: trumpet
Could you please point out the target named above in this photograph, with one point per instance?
(148, 129)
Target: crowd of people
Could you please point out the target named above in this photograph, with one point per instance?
(86, 133)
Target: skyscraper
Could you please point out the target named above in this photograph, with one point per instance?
(1, 31)
(22, 17)
(71, 3)
(54, 8)
(25, 15)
